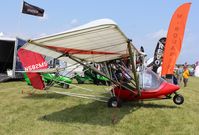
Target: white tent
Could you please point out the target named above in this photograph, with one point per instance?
(196, 73)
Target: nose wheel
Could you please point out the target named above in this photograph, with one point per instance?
(178, 99)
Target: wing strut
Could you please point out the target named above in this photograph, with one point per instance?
(133, 66)
(94, 69)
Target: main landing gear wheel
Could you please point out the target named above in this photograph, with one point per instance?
(178, 99)
(65, 86)
(114, 102)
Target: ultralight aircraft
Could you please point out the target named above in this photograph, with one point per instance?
(102, 42)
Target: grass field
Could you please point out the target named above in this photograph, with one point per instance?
(52, 114)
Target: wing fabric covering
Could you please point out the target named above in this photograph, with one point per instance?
(174, 38)
(97, 41)
(33, 61)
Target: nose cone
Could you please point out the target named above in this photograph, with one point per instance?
(170, 88)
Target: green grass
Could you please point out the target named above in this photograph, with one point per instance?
(53, 114)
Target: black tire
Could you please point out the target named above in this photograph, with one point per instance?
(108, 83)
(80, 81)
(65, 86)
(114, 102)
(178, 99)
(103, 82)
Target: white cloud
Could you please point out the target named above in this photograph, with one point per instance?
(158, 34)
(71, 24)
(1, 34)
(74, 22)
(14, 35)
(188, 52)
(150, 40)
(40, 35)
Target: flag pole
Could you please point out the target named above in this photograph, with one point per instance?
(19, 20)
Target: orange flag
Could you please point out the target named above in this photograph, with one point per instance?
(174, 38)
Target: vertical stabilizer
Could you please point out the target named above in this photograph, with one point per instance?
(33, 61)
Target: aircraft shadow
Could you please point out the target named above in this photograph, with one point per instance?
(43, 96)
(152, 105)
(97, 113)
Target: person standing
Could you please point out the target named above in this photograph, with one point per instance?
(185, 76)
(179, 73)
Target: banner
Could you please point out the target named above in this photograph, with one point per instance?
(174, 38)
(32, 10)
(158, 54)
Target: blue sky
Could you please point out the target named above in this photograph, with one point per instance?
(144, 21)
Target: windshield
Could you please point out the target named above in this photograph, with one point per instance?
(149, 80)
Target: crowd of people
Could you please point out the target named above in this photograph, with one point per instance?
(183, 72)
